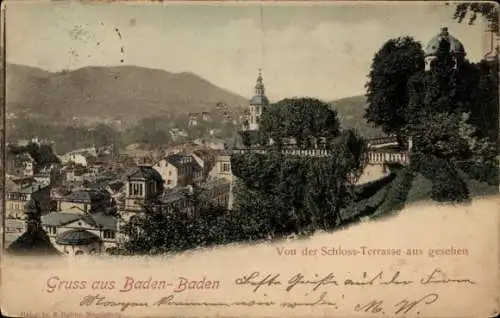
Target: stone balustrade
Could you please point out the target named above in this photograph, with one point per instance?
(374, 157)
(382, 140)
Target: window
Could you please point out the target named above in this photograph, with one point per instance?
(136, 189)
(170, 173)
(108, 234)
(169, 182)
(226, 167)
(52, 230)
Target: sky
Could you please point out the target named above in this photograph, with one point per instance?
(321, 50)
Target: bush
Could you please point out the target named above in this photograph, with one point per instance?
(369, 189)
(484, 172)
(398, 192)
(448, 185)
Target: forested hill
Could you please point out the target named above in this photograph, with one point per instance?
(123, 92)
(351, 112)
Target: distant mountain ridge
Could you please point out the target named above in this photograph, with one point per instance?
(351, 111)
(130, 93)
(124, 92)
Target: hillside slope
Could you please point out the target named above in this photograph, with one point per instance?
(125, 92)
(351, 112)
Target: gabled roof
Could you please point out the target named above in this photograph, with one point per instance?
(145, 172)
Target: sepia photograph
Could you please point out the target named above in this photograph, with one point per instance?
(278, 134)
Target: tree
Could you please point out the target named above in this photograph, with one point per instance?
(388, 94)
(483, 96)
(447, 109)
(294, 194)
(160, 230)
(488, 10)
(305, 120)
(439, 135)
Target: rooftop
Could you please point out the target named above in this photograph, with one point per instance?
(86, 195)
(433, 46)
(145, 172)
(97, 220)
(77, 237)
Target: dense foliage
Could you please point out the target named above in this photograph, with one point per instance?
(488, 10)
(388, 95)
(152, 132)
(42, 154)
(158, 232)
(275, 196)
(307, 121)
(297, 193)
(450, 112)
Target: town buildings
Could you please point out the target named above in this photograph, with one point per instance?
(20, 192)
(179, 170)
(21, 164)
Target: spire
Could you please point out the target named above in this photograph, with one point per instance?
(259, 86)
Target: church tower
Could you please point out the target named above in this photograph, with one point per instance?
(257, 103)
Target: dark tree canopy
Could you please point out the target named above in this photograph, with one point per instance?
(393, 65)
(297, 193)
(42, 154)
(471, 10)
(441, 93)
(306, 120)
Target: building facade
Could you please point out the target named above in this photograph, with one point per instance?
(179, 170)
(143, 185)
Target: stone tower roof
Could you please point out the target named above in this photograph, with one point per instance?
(456, 47)
(259, 97)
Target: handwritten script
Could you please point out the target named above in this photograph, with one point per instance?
(403, 306)
(258, 280)
(317, 290)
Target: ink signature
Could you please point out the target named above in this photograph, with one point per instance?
(404, 306)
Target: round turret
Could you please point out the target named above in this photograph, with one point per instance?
(455, 46)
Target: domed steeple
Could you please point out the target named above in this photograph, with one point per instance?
(455, 46)
(259, 97)
(257, 103)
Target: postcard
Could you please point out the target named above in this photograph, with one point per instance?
(250, 159)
